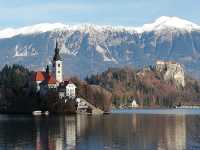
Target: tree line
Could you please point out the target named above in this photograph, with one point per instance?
(146, 86)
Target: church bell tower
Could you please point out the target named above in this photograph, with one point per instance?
(57, 65)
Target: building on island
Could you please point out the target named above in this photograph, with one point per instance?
(70, 89)
(134, 104)
(51, 83)
(53, 80)
(67, 89)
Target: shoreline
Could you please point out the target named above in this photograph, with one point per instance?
(145, 110)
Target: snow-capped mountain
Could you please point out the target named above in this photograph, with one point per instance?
(88, 48)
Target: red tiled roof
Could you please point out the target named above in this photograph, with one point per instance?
(39, 76)
(51, 80)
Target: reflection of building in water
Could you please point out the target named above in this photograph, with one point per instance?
(180, 132)
(70, 132)
(175, 135)
(81, 124)
(56, 135)
(59, 143)
(134, 122)
(67, 133)
(59, 133)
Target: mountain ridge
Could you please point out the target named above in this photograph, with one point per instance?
(160, 23)
(93, 50)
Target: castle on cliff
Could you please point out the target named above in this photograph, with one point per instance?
(172, 71)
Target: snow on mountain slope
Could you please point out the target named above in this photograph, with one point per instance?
(160, 23)
(105, 54)
(88, 48)
(169, 22)
(10, 32)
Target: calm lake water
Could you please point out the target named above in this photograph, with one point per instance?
(138, 129)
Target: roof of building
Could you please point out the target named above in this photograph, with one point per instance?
(43, 76)
(51, 80)
(39, 76)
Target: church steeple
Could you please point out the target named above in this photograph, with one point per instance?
(57, 65)
(57, 53)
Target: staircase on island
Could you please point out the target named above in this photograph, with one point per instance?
(85, 107)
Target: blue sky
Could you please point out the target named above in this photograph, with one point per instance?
(16, 13)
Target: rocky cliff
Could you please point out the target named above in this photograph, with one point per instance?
(172, 72)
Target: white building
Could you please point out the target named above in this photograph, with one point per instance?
(71, 90)
(134, 104)
(67, 89)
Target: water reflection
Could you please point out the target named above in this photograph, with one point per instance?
(59, 133)
(158, 132)
(116, 131)
(177, 140)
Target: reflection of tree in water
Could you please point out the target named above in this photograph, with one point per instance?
(174, 136)
(16, 132)
(134, 132)
(159, 132)
(41, 130)
(193, 132)
(115, 131)
(38, 133)
(41, 133)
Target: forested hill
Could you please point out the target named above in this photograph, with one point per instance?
(147, 86)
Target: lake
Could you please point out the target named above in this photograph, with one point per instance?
(138, 129)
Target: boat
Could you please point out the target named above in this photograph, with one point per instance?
(39, 113)
(46, 113)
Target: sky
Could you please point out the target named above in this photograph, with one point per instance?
(18, 13)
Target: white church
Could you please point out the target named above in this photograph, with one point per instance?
(46, 80)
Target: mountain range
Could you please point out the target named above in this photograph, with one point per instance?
(89, 48)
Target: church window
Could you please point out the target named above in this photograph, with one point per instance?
(58, 65)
